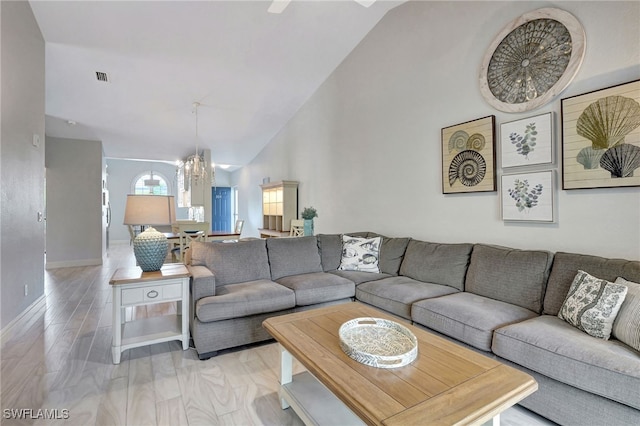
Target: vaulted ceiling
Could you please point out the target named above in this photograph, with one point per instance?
(249, 69)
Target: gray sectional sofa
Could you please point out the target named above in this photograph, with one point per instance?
(496, 300)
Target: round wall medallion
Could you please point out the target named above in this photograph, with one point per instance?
(532, 60)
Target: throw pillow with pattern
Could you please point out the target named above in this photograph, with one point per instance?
(592, 304)
(360, 254)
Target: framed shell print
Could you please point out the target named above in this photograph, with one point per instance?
(532, 60)
(601, 138)
(527, 141)
(527, 197)
(468, 157)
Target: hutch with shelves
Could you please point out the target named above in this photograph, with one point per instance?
(279, 207)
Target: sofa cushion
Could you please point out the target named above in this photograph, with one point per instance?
(626, 327)
(360, 254)
(513, 276)
(330, 248)
(396, 294)
(244, 299)
(435, 263)
(359, 277)
(318, 287)
(293, 256)
(592, 305)
(233, 263)
(468, 317)
(392, 253)
(566, 266)
(555, 349)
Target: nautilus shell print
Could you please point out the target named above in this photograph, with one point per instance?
(476, 142)
(458, 141)
(469, 167)
(621, 160)
(608, 120)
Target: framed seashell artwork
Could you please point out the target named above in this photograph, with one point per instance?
(527, 142)
(601, 138)
(532, 60)
(528, 197)
(468, 157)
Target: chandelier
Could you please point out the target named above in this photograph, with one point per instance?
(196, 166)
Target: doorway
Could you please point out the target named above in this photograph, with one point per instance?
(221, 215)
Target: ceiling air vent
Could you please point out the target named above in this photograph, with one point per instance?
(102, 76)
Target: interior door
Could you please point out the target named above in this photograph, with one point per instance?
(221, 211)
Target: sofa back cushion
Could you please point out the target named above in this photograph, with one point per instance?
(435, 263)
(293, 256)
(330, 248)
(566, 266)
(513, 276)
(233, 262)
(391, 254)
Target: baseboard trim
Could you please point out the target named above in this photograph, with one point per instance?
(5, 333)
(72, 263)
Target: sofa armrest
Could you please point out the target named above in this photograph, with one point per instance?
(203, 282)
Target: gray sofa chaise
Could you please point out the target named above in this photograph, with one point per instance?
(499, 301)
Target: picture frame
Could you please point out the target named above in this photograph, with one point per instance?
(528, 197)
(468, 156)
(527, 142)
(601, 138)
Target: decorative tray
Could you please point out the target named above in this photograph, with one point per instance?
(378, 342)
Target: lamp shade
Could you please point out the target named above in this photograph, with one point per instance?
(152, 210)
(150, 247)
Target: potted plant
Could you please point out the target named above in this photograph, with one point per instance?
(308, 214)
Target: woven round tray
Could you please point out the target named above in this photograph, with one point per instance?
(378, 342)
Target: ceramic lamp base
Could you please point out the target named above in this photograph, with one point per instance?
(150, 249)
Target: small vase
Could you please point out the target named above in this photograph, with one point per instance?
(308, 227)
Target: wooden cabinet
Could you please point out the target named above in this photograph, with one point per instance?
(279, 207)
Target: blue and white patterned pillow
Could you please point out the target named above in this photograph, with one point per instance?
(360, 254)
(592, 304)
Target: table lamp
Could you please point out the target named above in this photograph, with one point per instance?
(150, 247)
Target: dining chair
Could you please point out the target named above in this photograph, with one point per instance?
(297, 228)
(239, 225)
(189, 232)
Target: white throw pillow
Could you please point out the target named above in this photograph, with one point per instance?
(626, 327)
(592, 304)
(360, 254)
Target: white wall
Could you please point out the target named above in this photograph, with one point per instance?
(21, 163)
(74, 202)
(366, 146)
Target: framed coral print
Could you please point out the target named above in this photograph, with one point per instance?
(601, 138)
(468, 157)
(527, 197)
(527, 141)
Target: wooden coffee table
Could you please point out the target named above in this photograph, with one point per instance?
(446, 384)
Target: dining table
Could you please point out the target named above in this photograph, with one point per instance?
(211, 236)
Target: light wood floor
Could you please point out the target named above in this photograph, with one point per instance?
(58, 357)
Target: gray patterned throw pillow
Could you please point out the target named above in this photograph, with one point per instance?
(360, 254)
(592, 304)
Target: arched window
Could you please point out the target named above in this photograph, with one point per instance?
(150, 183)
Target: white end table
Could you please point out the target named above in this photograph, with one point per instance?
(132, 287)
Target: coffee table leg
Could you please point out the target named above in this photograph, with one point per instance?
(495, 421)
(286, 372)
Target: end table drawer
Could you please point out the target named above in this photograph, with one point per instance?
(151, 294)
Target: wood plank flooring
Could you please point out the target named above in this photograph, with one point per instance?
(56, 362)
